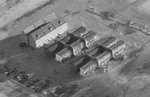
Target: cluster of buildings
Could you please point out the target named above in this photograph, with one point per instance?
(73, 44)
(97, 56)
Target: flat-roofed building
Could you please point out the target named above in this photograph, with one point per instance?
(88, 68)
(81, 62)
(50, 17)
(80, 31)
(61, 25)
(110, 42)
(63, 54)
(77, 46)
(39, 23)
(35, 38)
(103, 59)
(54, 49)
(118, 49)
(69, 39)
(101, 55)
(26, 32)
(90, 38)
(52, 28)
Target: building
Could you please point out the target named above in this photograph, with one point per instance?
(103, 59)
(26, 32)
(101, 55)
(80, 31)
(88, 68)
(54, 48)
(35, 38)
(69, 39)
(90, 38)
(110, 42)
(63, 54)
(118, 49)
(77, 44)
(50, 17)
(81, 62)
(51, 27)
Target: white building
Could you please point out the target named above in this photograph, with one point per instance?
(44, 31)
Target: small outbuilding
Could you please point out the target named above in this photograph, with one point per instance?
(90, 38)
(80, 31)
(63, 54)
(118, 49)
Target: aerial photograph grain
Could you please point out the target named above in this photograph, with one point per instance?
(74, 48)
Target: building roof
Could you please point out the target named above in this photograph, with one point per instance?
(100, 56)
(76, 43)
(82, 61)
(39, 23)
(29, 29)
(63, 51)
(118, 44)
(80, 31)
(97, 51)
(88, 64)
(89, 35)
(56, 47)
(58, 22)
(48, 28)
(110, 42)
(69, 39)
(37, 34)
(50, 17)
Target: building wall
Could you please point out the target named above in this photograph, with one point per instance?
(78, 48)
(88, 70)
(91, 41)
(24, 38)
(119, 51)
(66, 55)
(103, 61)
(50, 36)
(58, 58)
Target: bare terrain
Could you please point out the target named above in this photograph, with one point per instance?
(129, 79)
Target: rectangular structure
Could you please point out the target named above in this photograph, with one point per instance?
(34, 38)
(80, 31)
(88, 68)
(69, 39)
(39, 23)
(60, 24)
(103, 59)
(77, 46)
(90, 38)
(81, 62)
(26, 32)
(101, 55)
(52, 27)
(55, 48)
(63, 54)
(110, 42)
(50, 17)
(118, 49)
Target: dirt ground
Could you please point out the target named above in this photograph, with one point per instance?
(129, 79)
